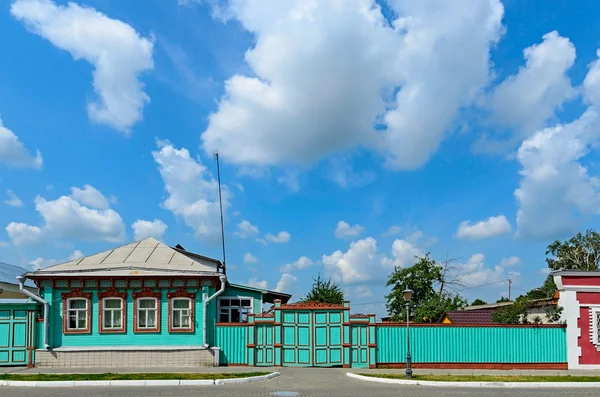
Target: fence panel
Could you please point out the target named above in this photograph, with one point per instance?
(232, 341)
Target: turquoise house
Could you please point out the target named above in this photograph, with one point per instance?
(144, 304)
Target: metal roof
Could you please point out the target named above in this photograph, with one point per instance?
(145, 257)
(9, 273)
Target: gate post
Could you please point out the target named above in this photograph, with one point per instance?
(372, 342)
(277, 337)
(346, 341)
(251, 340)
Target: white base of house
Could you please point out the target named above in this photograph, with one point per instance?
(128, 357)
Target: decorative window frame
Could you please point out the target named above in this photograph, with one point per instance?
(112, 293)
(594, 326)
(78, 294)
(182, 293)
(146, 293)
(229, 297)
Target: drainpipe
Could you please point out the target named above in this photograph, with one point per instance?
(21, 280)
(223, 280)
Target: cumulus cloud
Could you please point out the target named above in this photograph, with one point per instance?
(14, 154)
(75, 255)
(13, 199)
(23, 234)
(392, 230)
(255, 283)
(118, 53)
(249, 258)
(246, 230)
(40, 263)
(286, 283)
(475, 273)
(280, 238)
(89, 196)
(301, 263)
(491, 227)
(510, 261)
(343, 229)
(143, 229)
(192, 191)
(341, 56)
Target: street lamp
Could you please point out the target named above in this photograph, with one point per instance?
(408, 293)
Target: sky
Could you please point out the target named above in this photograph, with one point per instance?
(352, 135)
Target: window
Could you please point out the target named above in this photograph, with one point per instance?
(595, 326)
(180, 315)
(77, 318)
(112, 313)
(146, 316)
(234, 310)
(76, 311)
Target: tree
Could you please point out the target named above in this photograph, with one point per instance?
(324, 292)
(478, 302)
(581, 252)
(430, 298)
(547, 290)
(503, 299)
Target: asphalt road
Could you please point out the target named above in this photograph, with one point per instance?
(295, 383)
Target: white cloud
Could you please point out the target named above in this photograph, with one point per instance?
(13, 153)
(341, 56)
(392, 230)
(528, 99)
(255, 283)
(75, 255)
(510, 261)
(474, 273)
(290, 179)
(40, 263)
(245, 229)
(23, 234)
(286, 283)
(192, 191)
(491, 227)
(343, 229)
(117, 52)
(14, 200)
(359, 291)
(301, 263)
(404, 253)
(89, 196)
(143, 229)
(249, 258)
(341, 171)
(67, 217)
(281, 237)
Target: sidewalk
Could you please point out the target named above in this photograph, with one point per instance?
(291, 371)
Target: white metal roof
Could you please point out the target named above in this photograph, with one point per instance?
(145, 257)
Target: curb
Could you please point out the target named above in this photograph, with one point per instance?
(515, 385)
(124, 383)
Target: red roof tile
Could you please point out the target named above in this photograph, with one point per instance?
(471, 316)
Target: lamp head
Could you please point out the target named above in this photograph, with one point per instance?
(408, 293)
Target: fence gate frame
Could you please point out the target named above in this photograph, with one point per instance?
(17, 338)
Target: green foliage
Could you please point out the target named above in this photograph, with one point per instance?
(324, 292)
(503, 299)
(581, 252)
(478, 302)
(512, 314)
(429, 301)
(547, 290)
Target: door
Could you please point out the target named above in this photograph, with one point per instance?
(297, 341)
(14, 330)
(360, 348)
(264, 345)
(328, 339)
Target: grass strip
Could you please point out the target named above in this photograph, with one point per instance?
(490, 378)
(141, 376)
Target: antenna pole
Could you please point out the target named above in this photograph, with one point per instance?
(221, 208)
(509, 283)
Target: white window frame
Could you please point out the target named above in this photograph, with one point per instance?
(139, 309)
(110, 312)
(85, 312)
(594, 329)
(251, 311)
(179, 312)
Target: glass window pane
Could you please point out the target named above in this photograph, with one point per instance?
(185, 319)
(81, 320)
(151, 319)
(77, 303)
(224, 302)
(176, 322)
(117, 319)
(147, 303)
(235, 316)
(72, 320)
(235, 303)
(142, 319)
(112, 303)
(246, 302)
(224, 316)
(181, 304)
(107, 320)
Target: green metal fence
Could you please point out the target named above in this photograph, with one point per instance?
(232, 341)
(472, 344)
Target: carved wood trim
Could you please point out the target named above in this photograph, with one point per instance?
(146, 293)
(182, 293)
(112, 293)
(76, 293)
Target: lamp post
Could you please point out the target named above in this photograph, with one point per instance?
(408, 293)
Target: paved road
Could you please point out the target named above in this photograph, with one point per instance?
(305, 382)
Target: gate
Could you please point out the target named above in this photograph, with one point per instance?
(328, 339)
(16, 333)
(360, 346)
(265, 355)
(297, 346)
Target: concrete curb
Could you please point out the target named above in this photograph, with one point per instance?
(124, 383)
(515, 385)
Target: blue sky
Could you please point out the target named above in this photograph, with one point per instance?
(352, 135)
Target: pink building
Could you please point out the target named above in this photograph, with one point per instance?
(580, 299)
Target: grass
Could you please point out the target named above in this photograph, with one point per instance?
(490, 378)
(141, 376)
